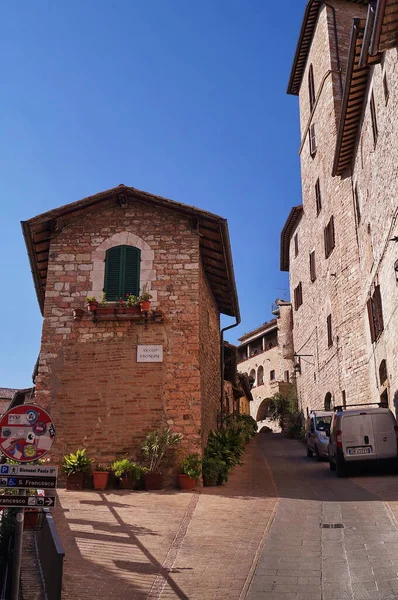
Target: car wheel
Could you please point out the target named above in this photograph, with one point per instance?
(332, 465)
(309, 452)
(318, 456)
(340, 468)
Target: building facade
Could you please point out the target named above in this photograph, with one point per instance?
(92, 377)
(336, 245)
(266, 356)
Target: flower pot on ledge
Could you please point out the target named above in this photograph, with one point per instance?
(106, 310)
(186, 482)
(145, 305)
(92, 306)
(100, 479)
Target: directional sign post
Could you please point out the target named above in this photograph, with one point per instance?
(26, 434)
(7, 500)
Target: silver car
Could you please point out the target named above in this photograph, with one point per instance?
(316, 435)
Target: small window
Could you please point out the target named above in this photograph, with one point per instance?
(385, 88)
(312, 266)
(286, 376)
(311, 87)
(260, 376)
(312, 140)
(252, 378)
(383, 372)
(357, 206)
(343, 398)
(296, 245)
(328, 401)
(329, 237)
(373, 115)
(272, 375)
(122, 272)
(298, 296)
(318, 197)
(329, 329)
(375, 314)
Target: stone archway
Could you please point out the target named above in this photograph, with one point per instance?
(328, 404)
(263, 410)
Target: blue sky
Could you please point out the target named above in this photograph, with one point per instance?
(186, 100)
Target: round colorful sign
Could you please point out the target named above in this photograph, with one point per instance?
(26, 433)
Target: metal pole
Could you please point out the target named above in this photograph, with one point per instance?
(16, 567)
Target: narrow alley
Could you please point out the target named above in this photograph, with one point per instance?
(262, 535)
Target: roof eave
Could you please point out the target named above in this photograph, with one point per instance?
(289, 227)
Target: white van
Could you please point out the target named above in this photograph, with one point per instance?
(362, 432)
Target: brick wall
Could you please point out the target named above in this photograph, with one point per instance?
(99, 396)
(210, 373)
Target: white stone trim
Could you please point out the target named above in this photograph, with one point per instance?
(126, 238)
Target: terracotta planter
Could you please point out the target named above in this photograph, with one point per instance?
(153, 481)
(185, 482)
(75, 481)
(31, 518)
(106, 310)
(145, 305)
(125, 483)
(92, 306)
(101, 479)
(133, 310)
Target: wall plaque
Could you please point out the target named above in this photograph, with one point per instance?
(150, 353)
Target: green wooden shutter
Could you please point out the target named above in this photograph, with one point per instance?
(112, 273)
(131, 284)
(122, 272)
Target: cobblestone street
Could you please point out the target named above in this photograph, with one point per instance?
(238, 541)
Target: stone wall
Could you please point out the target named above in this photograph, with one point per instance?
(342, 367)
(99, 396)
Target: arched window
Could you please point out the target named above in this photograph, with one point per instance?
(122, 272)
(252, 377)
(260, 376)
(383, 372)
(328, 401)
(311, 87)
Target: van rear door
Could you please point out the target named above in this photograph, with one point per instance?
(384, 434)
(357, 436)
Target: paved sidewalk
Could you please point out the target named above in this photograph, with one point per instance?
(169, 544)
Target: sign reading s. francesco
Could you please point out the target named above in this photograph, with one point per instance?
(26, 433)
(149, 353)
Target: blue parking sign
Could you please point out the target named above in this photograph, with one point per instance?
(4, 469)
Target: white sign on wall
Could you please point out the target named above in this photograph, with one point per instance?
(150, 353)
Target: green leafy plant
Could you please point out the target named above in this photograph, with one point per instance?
(104, 301)
(245, 423)
(132, 300)
(157, 446)
(145, 295)
(123, 467)
(192, 465)
(214, 471)
(91, 299)
(227, 445)
(76, 463)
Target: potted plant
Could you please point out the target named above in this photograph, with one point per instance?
(124, 469)
(132, 304)
(145, 299)
(101, 477)
(91, 303)
(76, 466)
(156, 448)
(104, 308)
(191, 471)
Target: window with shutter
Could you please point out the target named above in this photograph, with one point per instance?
(329, 328)
(298, 296)
(369, 306)
(312, 139)
(318, 197)
(357, 207)
(311, 87)
(378, 312)
(329, 237)
(122, 272)
(312, 266)
(375, 128)
(296, 249)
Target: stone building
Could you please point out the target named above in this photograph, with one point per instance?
(266, 356)
(100, 393)
(336, 245)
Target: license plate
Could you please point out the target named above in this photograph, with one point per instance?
(363, 450)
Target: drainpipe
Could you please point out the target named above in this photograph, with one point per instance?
(222, 366)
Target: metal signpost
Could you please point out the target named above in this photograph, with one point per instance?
(26, 434)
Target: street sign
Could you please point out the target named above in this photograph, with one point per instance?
(21, 501)
(28, 482)
(27, 470)
(26, 433)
